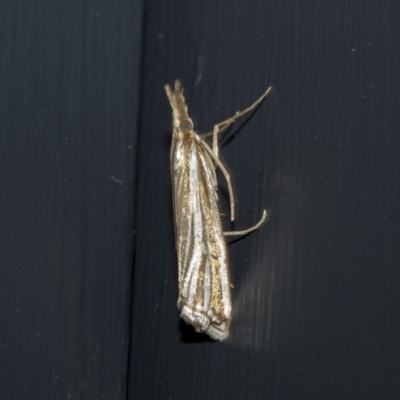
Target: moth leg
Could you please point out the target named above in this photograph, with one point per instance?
(251, 229)
(226, 175)
(222, 126)
(218, 128)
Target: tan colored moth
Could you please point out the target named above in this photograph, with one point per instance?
(204, 286)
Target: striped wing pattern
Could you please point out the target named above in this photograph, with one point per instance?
(204, 288)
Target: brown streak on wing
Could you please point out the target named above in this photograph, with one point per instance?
(191, 200)
(217, 254)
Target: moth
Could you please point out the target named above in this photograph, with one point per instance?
(204, 286)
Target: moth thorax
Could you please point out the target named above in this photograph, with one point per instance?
(185, 126)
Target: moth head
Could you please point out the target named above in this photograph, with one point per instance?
(181, 119)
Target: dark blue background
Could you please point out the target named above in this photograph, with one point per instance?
(87, 241)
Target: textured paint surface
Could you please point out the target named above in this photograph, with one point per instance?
(69, 79)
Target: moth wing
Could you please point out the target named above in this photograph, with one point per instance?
(204, 290)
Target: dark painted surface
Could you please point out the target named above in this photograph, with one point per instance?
(68, 112)
(316, 289)
(83, 198)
